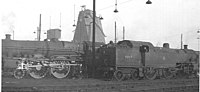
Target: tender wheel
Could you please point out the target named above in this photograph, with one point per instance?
(168, 73)
(150, 74)
(134, 74)
(119, 75)
(61, 71)
(19, 73)
(181, 74)
(38, 72)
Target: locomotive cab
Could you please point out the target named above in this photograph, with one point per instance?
(124, 57)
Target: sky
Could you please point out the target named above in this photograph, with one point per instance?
(161, 22)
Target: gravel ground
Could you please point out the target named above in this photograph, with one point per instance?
(47, 84)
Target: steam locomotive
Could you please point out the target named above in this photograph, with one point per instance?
(59, 58)
(37, 58)
(135, 60)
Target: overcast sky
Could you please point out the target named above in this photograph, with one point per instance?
(162, 21)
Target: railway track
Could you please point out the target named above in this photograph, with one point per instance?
(94, 85)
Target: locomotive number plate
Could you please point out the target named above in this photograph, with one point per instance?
(128, 57)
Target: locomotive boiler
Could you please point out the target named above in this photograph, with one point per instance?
(17, 48)
(136, 59)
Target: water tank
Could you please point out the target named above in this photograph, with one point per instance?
(53, 34)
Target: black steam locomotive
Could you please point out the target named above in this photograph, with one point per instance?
(136, 60)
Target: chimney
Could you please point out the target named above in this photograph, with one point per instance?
(8, 37)
(166, 45)
(185, 46)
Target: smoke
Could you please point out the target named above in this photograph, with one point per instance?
(8, 22)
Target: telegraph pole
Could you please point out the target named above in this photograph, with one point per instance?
(93, 39)
(123, 33)
(198, 38)
(13, 33)
(115, 32)
(60, 20)
(181, 41)
(39, 29)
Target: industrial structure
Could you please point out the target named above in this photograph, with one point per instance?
(83, 31)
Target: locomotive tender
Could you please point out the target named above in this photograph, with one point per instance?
(136, 59)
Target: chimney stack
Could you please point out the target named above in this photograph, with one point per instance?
(166, 45)
(185, 46)
(8, 37)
